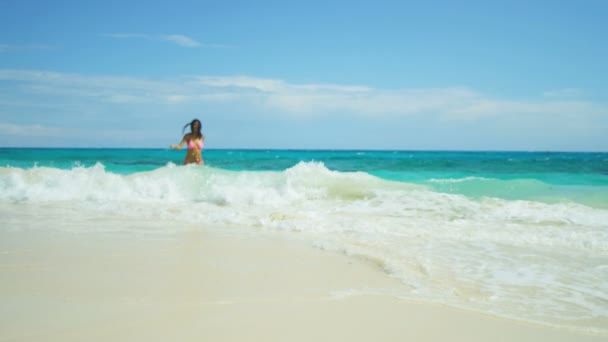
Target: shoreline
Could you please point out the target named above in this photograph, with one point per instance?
(197, 284)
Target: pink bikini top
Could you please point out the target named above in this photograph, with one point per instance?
(191, 145)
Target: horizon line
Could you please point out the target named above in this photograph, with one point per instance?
(308, 149)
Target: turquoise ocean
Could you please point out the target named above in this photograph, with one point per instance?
(522, 235)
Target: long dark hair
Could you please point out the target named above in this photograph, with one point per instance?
(198, 133)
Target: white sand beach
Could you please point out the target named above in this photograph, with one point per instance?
(198, 286)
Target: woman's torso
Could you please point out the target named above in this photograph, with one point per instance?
(194, 155)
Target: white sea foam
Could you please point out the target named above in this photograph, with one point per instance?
(538, 261)
(457, 180)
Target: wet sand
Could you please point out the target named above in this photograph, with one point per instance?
(198, 286)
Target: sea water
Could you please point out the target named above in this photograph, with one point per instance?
(522, 235)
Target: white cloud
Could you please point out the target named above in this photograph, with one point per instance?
(550, 109)
(245, 82)
(283, 98)
(104, 88)
(272, 85)
(177, 39)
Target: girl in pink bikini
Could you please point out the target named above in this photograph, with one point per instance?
(195, 140)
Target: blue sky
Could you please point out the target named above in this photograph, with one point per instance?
(467, 75)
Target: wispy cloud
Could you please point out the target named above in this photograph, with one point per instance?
(177, 39)
(284, 98)
(25, 47)
(272, 85)
(30, 130)
(126, 35)
(457, 103)
(181, 40)
(566, 92)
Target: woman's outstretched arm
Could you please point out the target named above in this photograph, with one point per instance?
(181, 144)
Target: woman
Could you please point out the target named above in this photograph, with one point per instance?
(195, 140)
